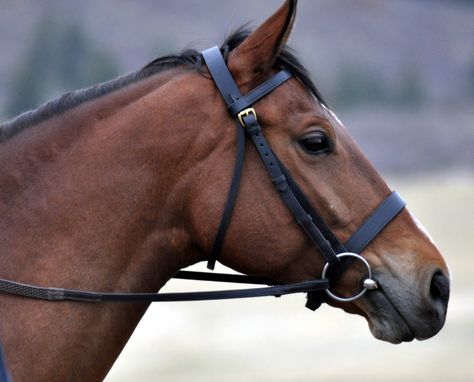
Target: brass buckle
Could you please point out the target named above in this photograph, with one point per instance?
(245, 113)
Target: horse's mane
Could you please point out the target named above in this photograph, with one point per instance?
(189, 58)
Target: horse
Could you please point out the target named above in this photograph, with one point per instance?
(119, 186)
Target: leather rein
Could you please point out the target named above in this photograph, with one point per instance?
(333, 251)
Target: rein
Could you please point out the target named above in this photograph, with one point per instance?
(60, 294)
(326, 242)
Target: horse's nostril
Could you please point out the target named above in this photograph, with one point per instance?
(439, 288)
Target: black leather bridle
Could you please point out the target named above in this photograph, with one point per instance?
(240, 108)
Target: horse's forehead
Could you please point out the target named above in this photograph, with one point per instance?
(289, 99)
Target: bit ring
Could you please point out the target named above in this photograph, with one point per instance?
(366, 285)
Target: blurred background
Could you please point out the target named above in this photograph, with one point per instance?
(400, 75)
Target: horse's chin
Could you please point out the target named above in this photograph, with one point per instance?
(385, 321)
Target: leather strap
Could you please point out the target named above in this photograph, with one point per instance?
(231, 198)
(259, 92)
(280, 181)
(221, 75)
(235, 102)
(230, 93)
(317, 219)
(60, 294)
(381, 216)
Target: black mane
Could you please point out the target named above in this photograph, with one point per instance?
(189, 58)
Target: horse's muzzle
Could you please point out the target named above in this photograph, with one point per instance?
(403, 313)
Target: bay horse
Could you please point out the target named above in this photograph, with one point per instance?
(119, 186)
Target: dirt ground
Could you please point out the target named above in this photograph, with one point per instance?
(279, 340)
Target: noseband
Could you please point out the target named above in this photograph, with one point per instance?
(327, 244)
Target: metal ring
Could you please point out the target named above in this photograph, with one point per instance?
(364, 289)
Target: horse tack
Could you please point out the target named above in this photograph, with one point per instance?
(306, 216)
(240, 108)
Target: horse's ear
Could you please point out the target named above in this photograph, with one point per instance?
(252, 60)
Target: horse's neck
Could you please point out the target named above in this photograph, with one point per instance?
(88, 184)
(82, 205)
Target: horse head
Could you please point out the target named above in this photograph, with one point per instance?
(263, 238)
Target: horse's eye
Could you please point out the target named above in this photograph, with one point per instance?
(316, 143)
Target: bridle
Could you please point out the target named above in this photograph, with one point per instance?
(334, 252)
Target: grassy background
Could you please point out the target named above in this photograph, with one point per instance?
(280, 340)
